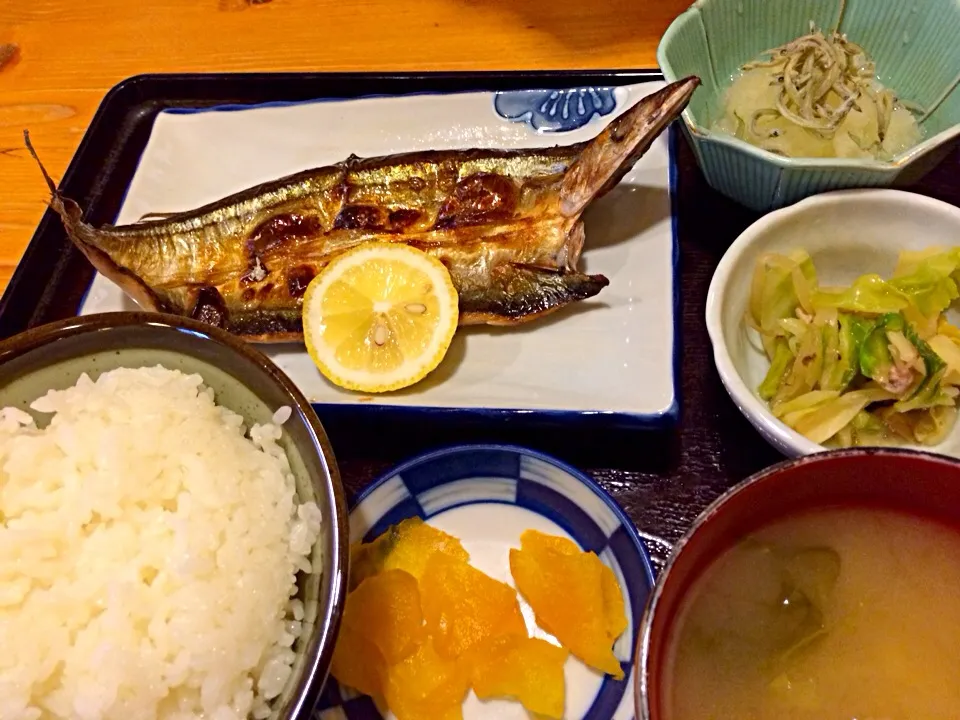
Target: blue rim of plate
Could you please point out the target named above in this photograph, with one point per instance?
(663, 419)
(526, 478)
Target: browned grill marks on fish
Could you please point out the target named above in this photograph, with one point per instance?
(210, 307)
(298, 278)
(505, 223)
(359, 217)
(279, 229)
(264, 292)
(375, 219)
(477, 199)
(402, 218)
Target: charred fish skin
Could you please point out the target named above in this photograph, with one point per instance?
(520, 293)
(505, 223)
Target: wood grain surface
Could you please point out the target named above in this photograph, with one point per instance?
(59, 57)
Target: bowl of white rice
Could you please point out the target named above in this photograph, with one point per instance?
(173, 540)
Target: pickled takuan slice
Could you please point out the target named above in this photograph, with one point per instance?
(385, 609)
(613, 606)
(359, 664)
(523, 668)
(463, 606)
(404, 546)
(614, 612)
(426, 686)
(537, 541)
(566, 594)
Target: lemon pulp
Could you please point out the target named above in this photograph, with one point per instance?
(379, 317)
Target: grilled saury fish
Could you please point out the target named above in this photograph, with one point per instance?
(506, 223)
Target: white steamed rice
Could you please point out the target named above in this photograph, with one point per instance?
(148, 554)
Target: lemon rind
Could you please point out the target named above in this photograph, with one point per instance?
(406, 374)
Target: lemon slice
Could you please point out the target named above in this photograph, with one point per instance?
(379, 317)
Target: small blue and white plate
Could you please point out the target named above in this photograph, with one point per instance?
(487, 496)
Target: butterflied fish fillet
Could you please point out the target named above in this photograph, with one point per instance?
(506, 223)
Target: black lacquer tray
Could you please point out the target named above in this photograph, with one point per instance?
(662, 478)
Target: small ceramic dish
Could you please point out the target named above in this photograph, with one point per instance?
(917, 55)
(52, 357)
(488, 495)
(847, 233)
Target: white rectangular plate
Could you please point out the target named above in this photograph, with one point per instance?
(612, 356)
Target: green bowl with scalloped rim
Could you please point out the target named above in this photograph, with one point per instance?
(916, 46)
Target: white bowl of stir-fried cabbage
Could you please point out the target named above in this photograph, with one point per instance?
(835, 322)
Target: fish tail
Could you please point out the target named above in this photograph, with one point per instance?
(609, 156)
(517, 293)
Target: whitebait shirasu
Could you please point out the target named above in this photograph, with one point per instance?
(812, 67)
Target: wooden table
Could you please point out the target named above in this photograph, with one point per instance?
(69, 53)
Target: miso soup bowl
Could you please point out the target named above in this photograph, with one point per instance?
(908, 481)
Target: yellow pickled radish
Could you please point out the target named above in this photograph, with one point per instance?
(380, 317)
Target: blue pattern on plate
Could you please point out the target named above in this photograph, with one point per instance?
(475, 474)
(555, 110)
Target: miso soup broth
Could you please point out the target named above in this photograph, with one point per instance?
(839, 614)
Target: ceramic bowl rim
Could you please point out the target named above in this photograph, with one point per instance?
(521, 450)
(327, 625)
(754, 409)
(633, 532)
(698, 131)
(640, 686)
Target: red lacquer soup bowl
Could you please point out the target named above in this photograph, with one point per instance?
(908, 481)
